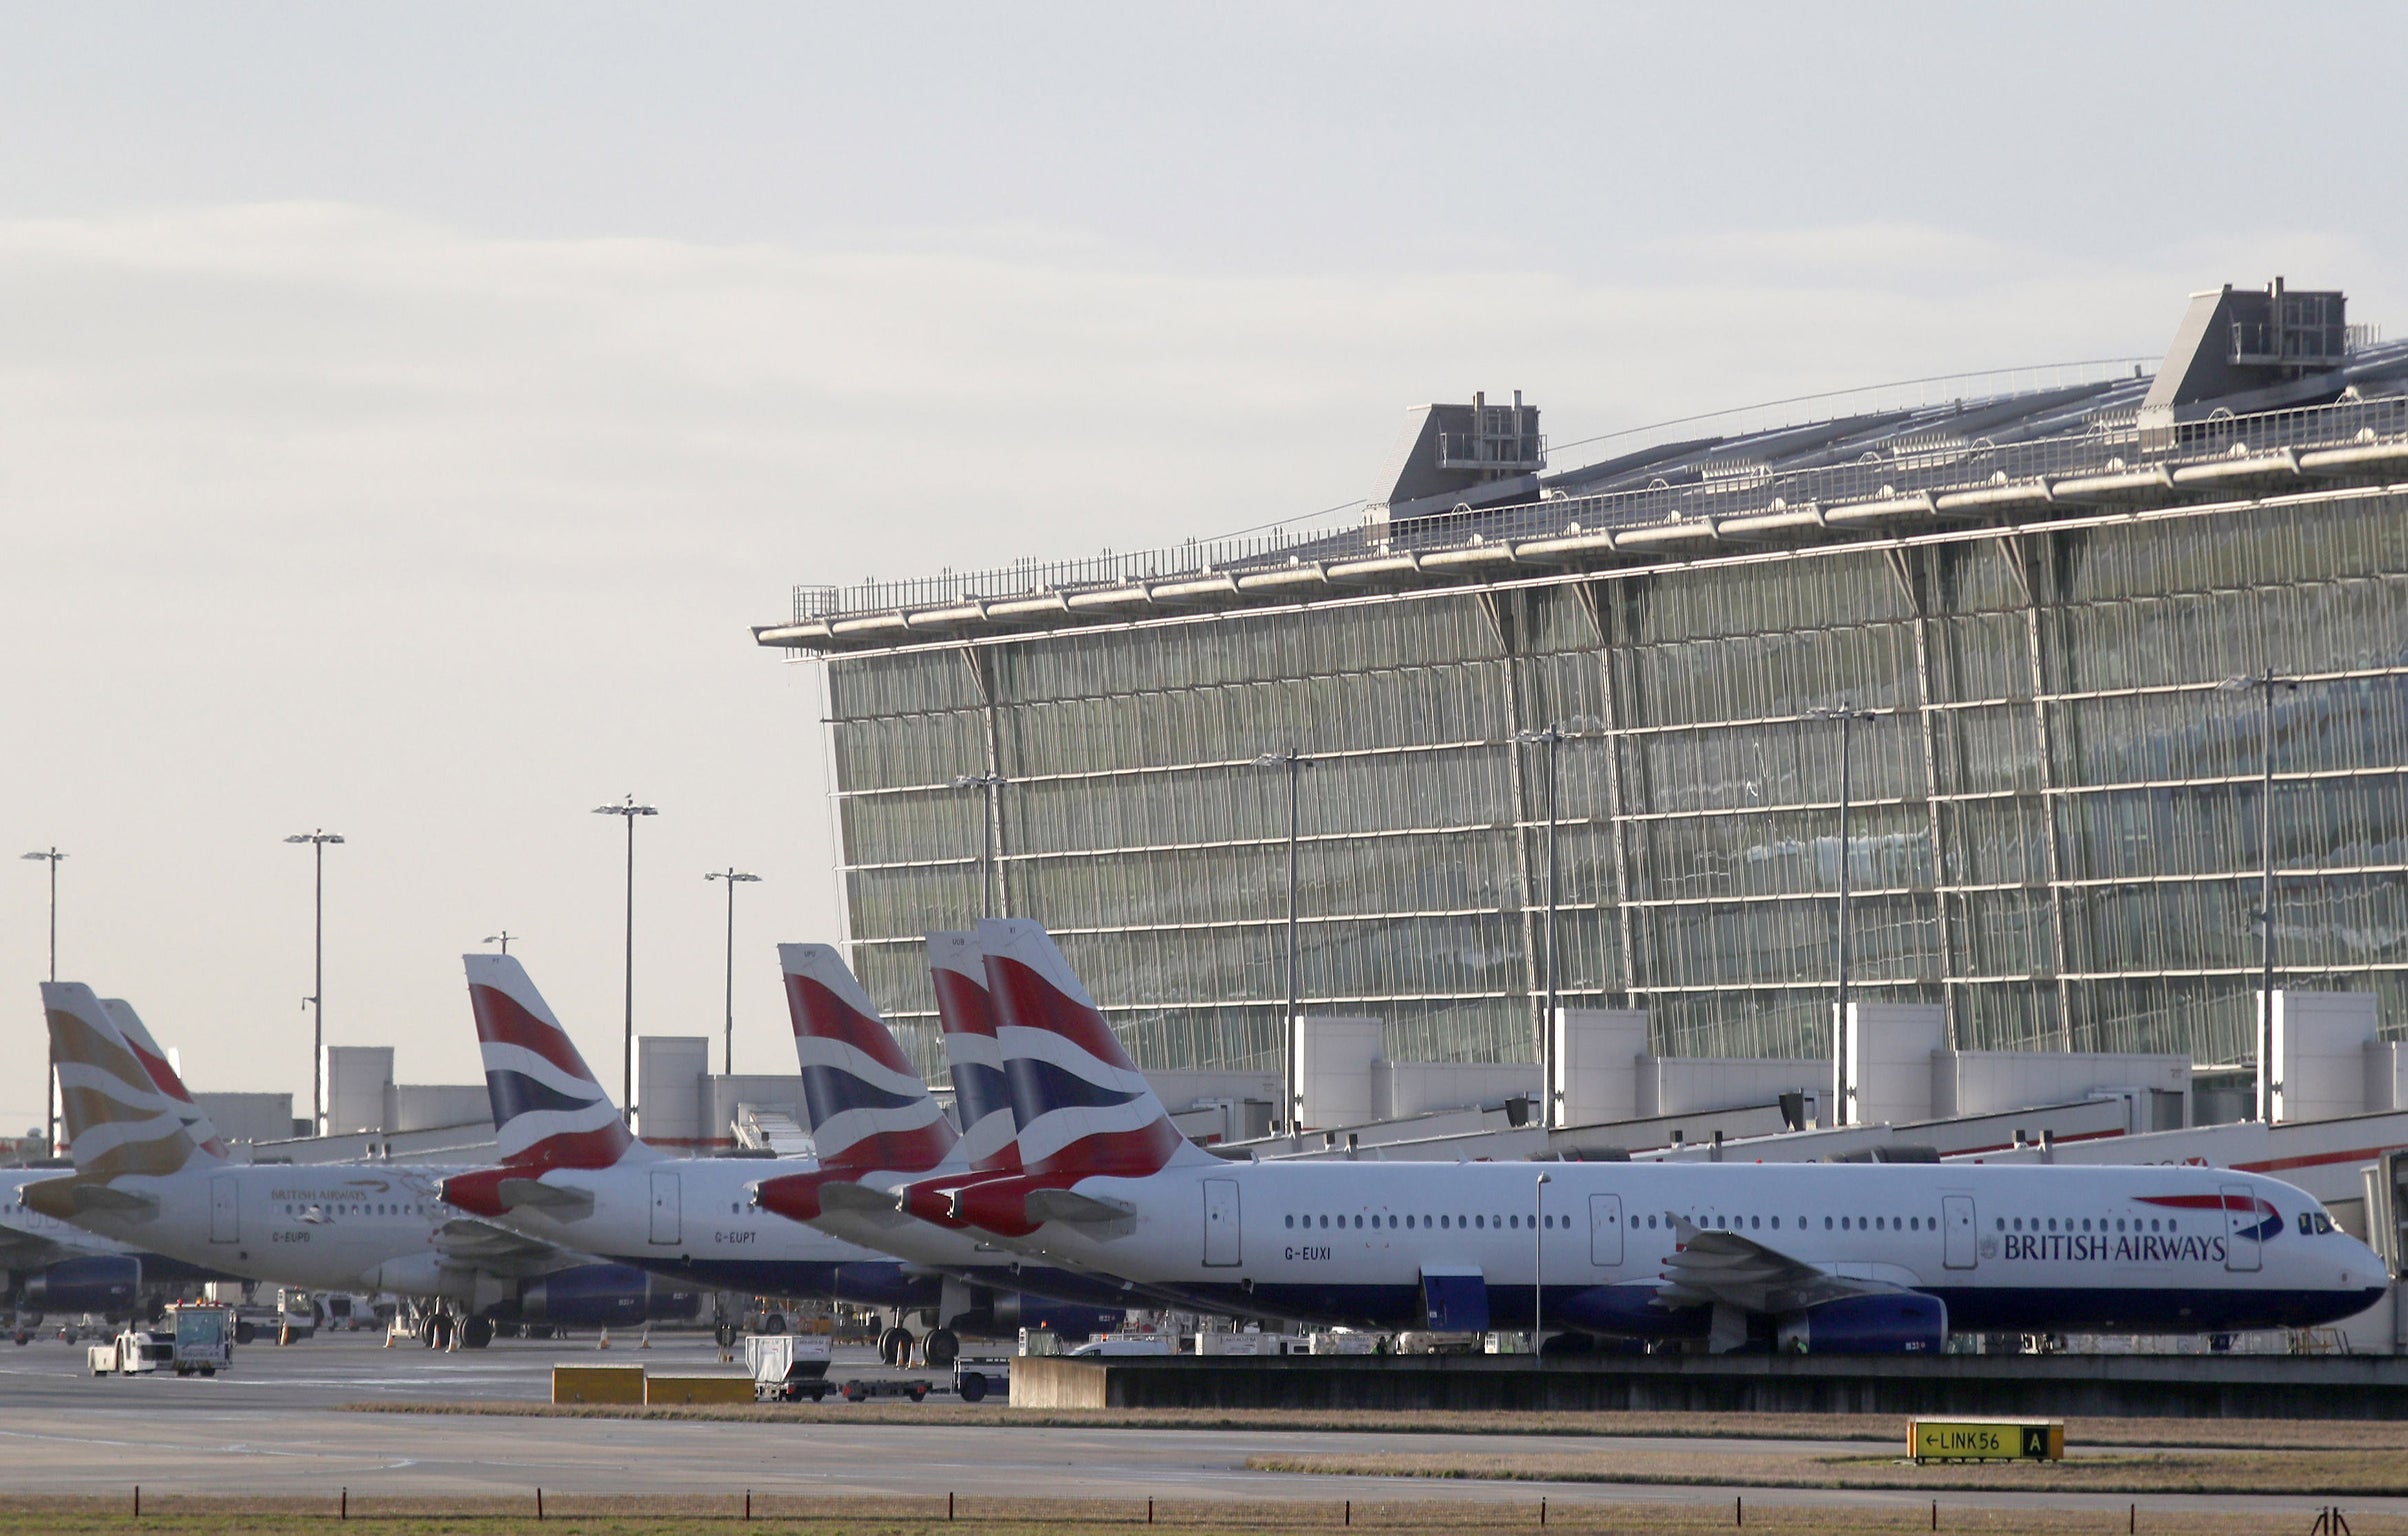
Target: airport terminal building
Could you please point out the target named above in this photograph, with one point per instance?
(2070, 628)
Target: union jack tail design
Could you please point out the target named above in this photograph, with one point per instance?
(549, 1111)
(163, 1075)
(117, 1120)
(1081, 1104)
(868, 1109)
(982, 1097)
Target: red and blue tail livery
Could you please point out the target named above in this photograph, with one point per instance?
(982, 1095)
(548, 1109)
(868, 1109)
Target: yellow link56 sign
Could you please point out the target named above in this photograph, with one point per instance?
(1986, 1439)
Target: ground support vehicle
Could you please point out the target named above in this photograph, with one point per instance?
(202, 1337)
(134, 1352)
(982, 1377)
(915, 1388)
(786, 1367)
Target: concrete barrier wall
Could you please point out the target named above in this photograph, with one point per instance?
(2185, 1386)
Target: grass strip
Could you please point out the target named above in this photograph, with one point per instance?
(805, 1516)
(2312, 1475)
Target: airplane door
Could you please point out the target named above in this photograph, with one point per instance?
(1221, 1237)
(2241, 1249)
(1605, 1230)
(664, 1208)
(1962, 1231)
(225, 1220)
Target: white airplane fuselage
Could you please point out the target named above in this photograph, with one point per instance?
(334, 1226)
(2141, 1249)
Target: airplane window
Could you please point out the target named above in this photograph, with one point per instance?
(2002, 1222)
(1462, 1221)
(1325, 1221)
(1513, 1221)
(1291, 1219)
(1776, 1223)
(1826, 1223)
(2085, 1223)
(1480, 1221)
(1408, 1223)
(1755, 1221)
(1358, 1222)
(1442, 1221)
(1877, 1223)
(2052, 1223)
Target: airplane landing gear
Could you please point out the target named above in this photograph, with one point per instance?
(941, 1348)
(894, 1346)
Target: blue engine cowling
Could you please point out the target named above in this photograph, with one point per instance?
(101, 1284)
(602, 1296)
(1901, 1323)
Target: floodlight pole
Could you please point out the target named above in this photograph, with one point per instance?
(630, 810)
(1552, 738)
(50, 1115)
(989, 784)
(317, 840)
(2265, 682)
(734, 878)
(1843, 1112)
(1290, 1089)
(1538, 1273)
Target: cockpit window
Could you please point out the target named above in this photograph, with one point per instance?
(2314, 1223)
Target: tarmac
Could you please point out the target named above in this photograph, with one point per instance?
(267, 1430)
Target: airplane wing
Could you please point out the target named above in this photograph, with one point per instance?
(477, 1245)
(1725, 1269)
(24, 1250)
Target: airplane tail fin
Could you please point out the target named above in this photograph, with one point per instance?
(163, 1075)
(1080, 1102)
(117, 1120)
(548, 1107)
(981, 1095)
(868, 1108)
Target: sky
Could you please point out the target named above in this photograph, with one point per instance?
(405, 410)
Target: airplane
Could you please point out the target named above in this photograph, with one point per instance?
(49, 1265)
(150, 1170)
(878, 1129)
(1834, 1258)
(572, 1174)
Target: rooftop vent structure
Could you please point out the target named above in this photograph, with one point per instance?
(1469, 453)
(2250, 351)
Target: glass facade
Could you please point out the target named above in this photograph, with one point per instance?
(2056, 826)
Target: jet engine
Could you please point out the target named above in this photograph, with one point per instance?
(601, 1296)
(107, 1284)
(1897, 1323)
